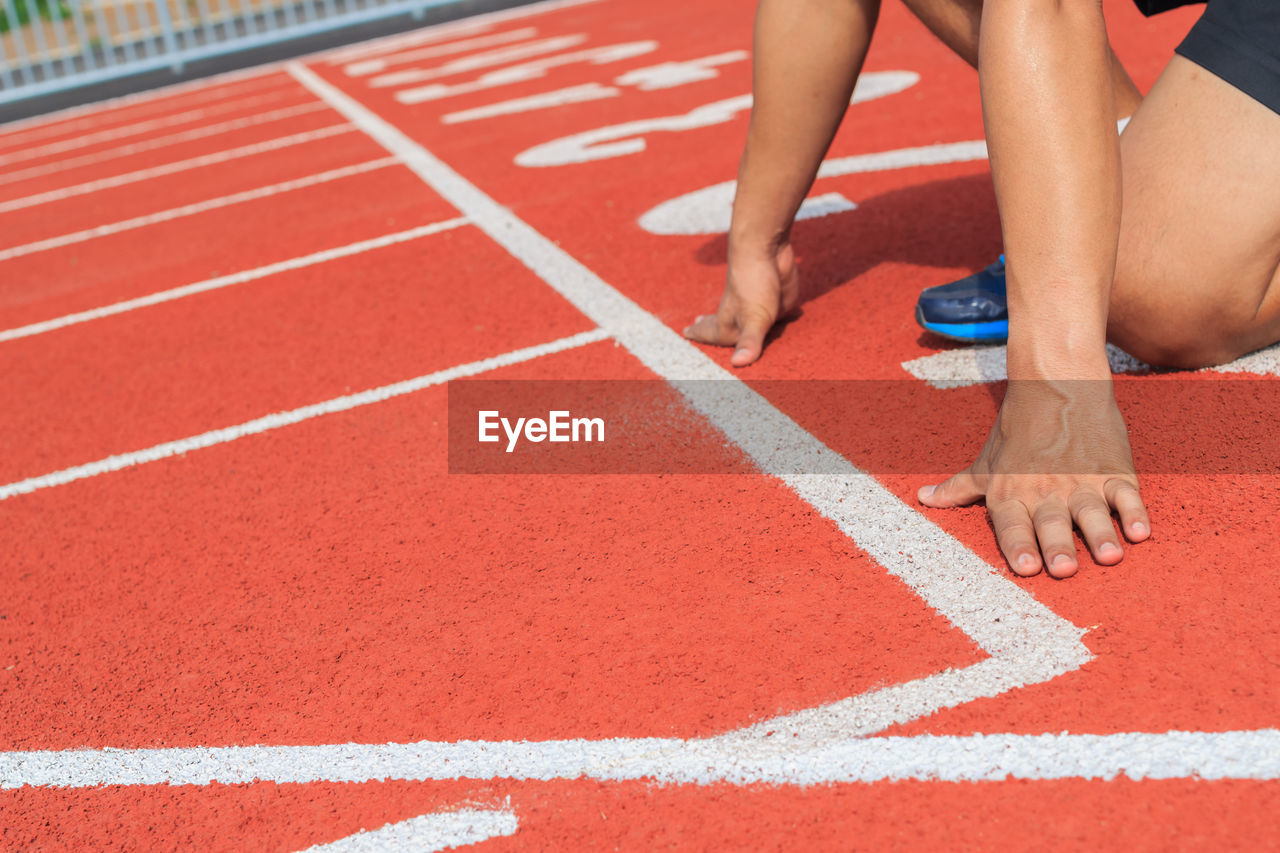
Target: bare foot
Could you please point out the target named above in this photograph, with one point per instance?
(760, 289)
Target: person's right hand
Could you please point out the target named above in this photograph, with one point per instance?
(762, 287)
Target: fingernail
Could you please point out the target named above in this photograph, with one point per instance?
(926, 492)
(1139, 528)
(1109, 550)
(1026, 561)
(1061, 561)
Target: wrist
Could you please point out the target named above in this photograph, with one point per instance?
(750, 245)
(1060, 352)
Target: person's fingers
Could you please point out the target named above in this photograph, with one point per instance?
(1052, 521)
(754, 326)
(709, 329)
(960, 490)
(1124, 496)
(1093, 516)
(1016, 536)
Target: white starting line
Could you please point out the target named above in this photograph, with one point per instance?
(971, 758)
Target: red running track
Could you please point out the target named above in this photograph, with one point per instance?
(329, 581)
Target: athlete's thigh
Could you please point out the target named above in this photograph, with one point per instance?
(1200, 223)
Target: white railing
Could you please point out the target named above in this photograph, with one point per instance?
(50, 45)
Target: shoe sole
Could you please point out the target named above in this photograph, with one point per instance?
(995, 331)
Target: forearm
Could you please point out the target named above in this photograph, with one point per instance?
(1049, 110)
(807, 56)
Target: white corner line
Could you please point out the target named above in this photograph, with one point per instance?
(293, 416)
(428, 833)
(195, 207)
(231, 279)
(1030, 643)
(172, 168)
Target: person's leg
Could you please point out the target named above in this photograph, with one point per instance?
(956, 23)
(1198, 271)
(973, 309)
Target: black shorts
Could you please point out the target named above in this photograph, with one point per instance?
(1235, 40)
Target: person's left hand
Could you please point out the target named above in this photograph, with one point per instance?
(1058, 453)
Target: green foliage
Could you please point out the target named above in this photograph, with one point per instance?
(26, 8)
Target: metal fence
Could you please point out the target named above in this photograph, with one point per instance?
(51, 45)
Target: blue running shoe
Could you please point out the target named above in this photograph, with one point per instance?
(972, 309)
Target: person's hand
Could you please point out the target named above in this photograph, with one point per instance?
(762, 287)
(1058, 453)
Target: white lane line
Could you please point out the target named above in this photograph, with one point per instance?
(157, 142)
(936, 758)
(172, 168)
(194, 208)
(293, 416)
(981, 364)
(147, 125)
(92, 114)
(1032, 644)
(231, 279)
(428, 833)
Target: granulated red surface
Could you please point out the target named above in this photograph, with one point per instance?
(329, 581)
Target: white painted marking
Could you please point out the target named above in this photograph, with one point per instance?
(824, 205)
(232, 279)
(375, 66)
(172, 168)
(668, 75)
(194, 208)
(428, 833)
(1264, 362)
(476, 61)
(137, 128)
(526, 71)
(981, 364)
(629, 137)
(971, 758)
(709, 210)
(1029, 643)
(439, 32)
(546, 100)
(293, 416)
(160, 142)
